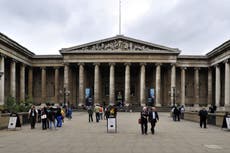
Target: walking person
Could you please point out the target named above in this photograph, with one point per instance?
(97, 113)
(90, 112)
(33, 116)
(144, 120)
(153, 118)
(51, 117)
(203, 113)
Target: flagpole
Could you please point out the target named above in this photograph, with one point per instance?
(119, 17)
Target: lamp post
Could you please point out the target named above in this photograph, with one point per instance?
(65, 93)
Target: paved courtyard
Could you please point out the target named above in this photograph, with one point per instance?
(79, 136)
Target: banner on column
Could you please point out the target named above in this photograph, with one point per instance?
(151, 96)
(88, 98)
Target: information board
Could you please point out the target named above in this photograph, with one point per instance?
(228, 122)
(111, 125)
(12, 123)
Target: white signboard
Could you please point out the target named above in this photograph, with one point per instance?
(111, 124)
(12, 123)
(228, 122)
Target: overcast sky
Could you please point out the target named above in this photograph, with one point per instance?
(45, 26)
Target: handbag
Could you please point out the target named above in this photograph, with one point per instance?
(139, 121)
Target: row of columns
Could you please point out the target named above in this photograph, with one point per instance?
(112, 83)
(217, 85)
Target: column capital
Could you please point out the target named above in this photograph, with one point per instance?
(158, 64)
(196, 68)
(81, 64)
(217, 65)
(173, 64)
(112, 64)
(127, 63)
(14, 60)
(183, 68)
(66, 64)
(96, 63)
(56, 67)
(43, 68)
(227, 61)
(2, 55)
(142, 64)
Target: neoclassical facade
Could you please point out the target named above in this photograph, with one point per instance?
(116, 69)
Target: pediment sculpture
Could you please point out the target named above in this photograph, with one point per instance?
(117, 45)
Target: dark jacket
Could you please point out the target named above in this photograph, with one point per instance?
(203, 114)
(151, 119)
(144, 116)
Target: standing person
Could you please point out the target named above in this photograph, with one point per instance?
(203, 113)
(44, 115)
(51, 117)
(176, 114)
(153, 118)
(182, 110)
(144, 120)
(101, 113)
(69, 113)
(90, 112)
(33, 116)
(97, 113)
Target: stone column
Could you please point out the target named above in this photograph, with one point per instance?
(217, 96)
(227, 84)
(2, 80)
(196, 86)
(30, 83)
(112, 84)
(43, 84)
(81, 84)
(173, 82)
(13, 78)
(142, 85)
(22, 83)
(56, 84)
(96, 82)
(209, 86)
(127, 84)
(183, 86)
(158, 85)
(66, 83)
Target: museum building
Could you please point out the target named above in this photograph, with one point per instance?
(115, 70)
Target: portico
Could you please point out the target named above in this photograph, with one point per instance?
(117, 70)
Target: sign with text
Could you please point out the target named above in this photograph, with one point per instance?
(12, 123)
(228, 122)
(111, 125)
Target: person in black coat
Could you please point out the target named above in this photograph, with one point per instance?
(144, 120)
(203, 117)
(33, 113)
(153, 118)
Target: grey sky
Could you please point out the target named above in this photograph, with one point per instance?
(46, 26)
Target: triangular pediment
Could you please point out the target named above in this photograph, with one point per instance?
(119, 43)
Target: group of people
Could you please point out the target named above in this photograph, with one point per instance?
(177, 112)
(101, 112)
(148, 115)
(49, 116)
